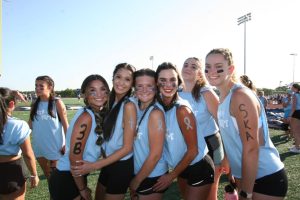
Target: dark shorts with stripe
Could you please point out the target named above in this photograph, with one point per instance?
(200, 173)
(12, 176)
(145, 188)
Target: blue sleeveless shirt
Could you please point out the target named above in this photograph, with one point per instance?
(141, 148)
(206, 124)
(47, 133)
(269, 161)
(91, 151)
(175, 146)
(116, 141)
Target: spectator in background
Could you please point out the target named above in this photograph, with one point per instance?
(49, 123)
(287, 108)
(262, 98)
(14, 141)
(248, 82)
(295, 118)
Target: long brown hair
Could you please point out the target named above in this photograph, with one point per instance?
(113, 111)
(35, 104)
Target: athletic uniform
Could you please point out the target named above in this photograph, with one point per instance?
(141, 150)
(116, 177)
(12, 174)
(206, 124)
(270, 167)
(201, 170)
(61, 183)
(47, 133)
(296, 113)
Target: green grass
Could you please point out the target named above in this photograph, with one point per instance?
(291, 161)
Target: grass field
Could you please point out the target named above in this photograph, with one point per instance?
(291, 161)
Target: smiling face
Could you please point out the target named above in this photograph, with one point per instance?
(145, 89)
(122, 81)
(191, 70)
(217, 70)
(96, 94)
(167, 83)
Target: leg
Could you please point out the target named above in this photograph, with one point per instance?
(114, 196)
(258, 196)
(182, 184)
(198, 193)
(44, 163)
(213, 194)
(17, 195)
(100, 191)
(153, 196)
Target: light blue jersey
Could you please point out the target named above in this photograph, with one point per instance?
(15, 132)
(206, 124)
(141, 148)
(47, 133)
(269, 161)
(91, 151)
(287, 110)
(175, 146)
(297, 96)
(115, 142)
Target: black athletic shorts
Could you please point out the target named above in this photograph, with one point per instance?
(12, 176)
(275, 184)
(200, 173)
(145, 188)
(116, 177)
(62, 185)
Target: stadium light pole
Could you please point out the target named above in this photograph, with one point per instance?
(242, 20)
(294, 63)
(151, 58)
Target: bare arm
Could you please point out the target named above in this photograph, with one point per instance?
(212, 102)
(62, 112)
(156, 135)
(246, 108)
(187, 124)
(30, 161)
(79, 138)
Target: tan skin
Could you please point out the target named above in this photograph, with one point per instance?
(122, 83)
(191, 72)
(245, 108)
(295, 123)
(156, 136)
(29, 159)
(43, 91)
(96, 96)
(168, 77)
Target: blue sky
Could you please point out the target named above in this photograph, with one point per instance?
(71, 39)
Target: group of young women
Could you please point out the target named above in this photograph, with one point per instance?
(155, 127)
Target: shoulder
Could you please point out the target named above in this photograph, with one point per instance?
(129, 105)
(85, 117)
(156, 113)
(183, 110)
